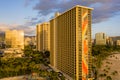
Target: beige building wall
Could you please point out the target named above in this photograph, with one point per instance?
(14, 38)
(53, 39)
(38, 37)
(27, 41)
(101, 38)
(111, 42)
(70, 38)
(43, 36)
(33, 40)
(118, 42)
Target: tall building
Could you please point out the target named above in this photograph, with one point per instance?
(14, 39)
(100, 39)
(43, 36)
(53, 39)
(70, 42)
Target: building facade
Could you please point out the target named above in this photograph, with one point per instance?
(114, 40)
(118, 42)
(14, 38)
(30, 40)
(100, 39)
(43, 36)
(27, 41)
(70, 38)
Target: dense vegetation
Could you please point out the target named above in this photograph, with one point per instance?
(101, 49)
(32, 60)
(30, 63)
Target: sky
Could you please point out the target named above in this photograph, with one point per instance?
(25, 14)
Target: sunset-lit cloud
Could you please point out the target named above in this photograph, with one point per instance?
(25, 14)
(27, 29)
(103, 9)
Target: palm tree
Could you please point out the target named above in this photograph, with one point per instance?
(101, 75)
(108, 78)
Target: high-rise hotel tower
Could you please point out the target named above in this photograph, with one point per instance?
(43, 36)
(14, 39)
(70, 42)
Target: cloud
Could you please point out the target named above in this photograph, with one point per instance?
(106, 11)
(3, 27)
(103, 9)
(29, 30)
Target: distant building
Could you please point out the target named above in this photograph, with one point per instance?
(27, 41)
(100, 39)
(70, 43)
(2, 40)
(118, 42)
(43, 36)
(30, 40)
(33, 40)
(2, 37)
(93, 41)
(14, 39)
(114, 40)
(110, 41)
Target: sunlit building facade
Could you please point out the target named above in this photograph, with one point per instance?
(30, 40)
(70, 38)
(27, 41)
(43, 36)
(14, 39)
(100, 38)
(118, 42)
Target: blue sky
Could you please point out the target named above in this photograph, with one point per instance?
(13, 11)
(25, 14)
